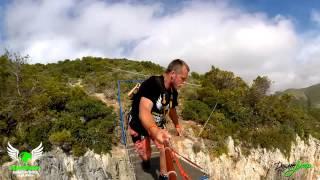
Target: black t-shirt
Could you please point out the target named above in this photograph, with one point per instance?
(153, 89)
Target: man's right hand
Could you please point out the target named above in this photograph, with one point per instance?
(163, 136)
(147, 120)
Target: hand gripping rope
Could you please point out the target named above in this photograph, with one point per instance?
(170, 158)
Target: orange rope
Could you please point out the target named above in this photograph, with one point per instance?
(187, 159)
(171, 157)
(169, 163)
(184, 175)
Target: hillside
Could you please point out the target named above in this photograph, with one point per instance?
(308, 97)
(60, 99)
(59, 104)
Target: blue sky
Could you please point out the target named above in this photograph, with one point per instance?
(276, 38)
(2, 7)
(300, 10)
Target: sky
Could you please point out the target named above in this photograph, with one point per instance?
(278, 39)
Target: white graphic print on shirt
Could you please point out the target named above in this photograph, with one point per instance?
(159, 104)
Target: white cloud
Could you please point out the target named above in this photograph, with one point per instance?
(206, 34)
(202, 33)
(315, 16)
(66, 29)
(308, 63)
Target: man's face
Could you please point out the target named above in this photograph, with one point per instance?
(179, 78)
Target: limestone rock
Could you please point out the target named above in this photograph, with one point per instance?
(259, 164)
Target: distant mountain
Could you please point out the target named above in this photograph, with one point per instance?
(308, 97)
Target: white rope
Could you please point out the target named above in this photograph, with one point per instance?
(172, 172)
(191, 84)
(207, 120)
(127, 71)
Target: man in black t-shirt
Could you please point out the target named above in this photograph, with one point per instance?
(156, 97)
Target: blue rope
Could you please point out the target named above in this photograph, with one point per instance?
(123, 136)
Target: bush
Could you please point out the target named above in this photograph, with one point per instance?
(274, 138)
(219, 149)
(88, 108)
(248, 114)
(195, 110)
(3, 125)
(58, 138)
(78, 150)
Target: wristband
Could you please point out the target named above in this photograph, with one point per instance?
(152, 126)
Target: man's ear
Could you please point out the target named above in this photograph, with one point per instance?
(173, 74)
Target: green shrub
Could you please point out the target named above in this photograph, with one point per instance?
(195, 110)
(3, 125)
(78, 150)
(58, 138)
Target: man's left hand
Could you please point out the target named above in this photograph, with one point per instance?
(179, 130)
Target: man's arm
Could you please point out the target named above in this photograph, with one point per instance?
(174, 117)
(148, 122)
